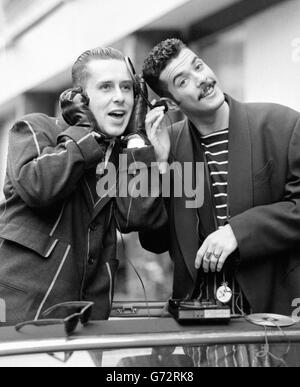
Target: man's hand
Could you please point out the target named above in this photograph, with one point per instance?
(75, 111)
(216, 249)
(158, 136)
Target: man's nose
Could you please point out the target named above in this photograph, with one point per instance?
(200, 79)
(118, 95)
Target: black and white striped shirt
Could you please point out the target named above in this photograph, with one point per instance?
(216, 153)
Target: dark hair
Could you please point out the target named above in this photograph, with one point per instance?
(158, 59)
(79, 69)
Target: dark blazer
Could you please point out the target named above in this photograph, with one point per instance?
(264, 207)
(57, 237)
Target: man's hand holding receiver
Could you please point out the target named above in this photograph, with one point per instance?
(74, 104)
(75, 110)
(215, 250)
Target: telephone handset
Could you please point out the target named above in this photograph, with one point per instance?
(86, 102)
(85, 98)
(138, 89)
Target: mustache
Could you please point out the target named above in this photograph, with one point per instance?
(205, 86)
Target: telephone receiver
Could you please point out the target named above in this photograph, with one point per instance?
(86, 101)
(138, 89)
(85, 97)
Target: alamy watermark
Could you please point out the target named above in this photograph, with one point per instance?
(181, 180)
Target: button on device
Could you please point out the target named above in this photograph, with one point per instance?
(91, 261)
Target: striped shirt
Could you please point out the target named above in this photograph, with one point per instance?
(215, 147)
(216, 153)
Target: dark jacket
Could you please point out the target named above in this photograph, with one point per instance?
(264, 207)
(57, 237)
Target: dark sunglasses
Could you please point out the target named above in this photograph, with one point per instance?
(138, 89)
(82, 313)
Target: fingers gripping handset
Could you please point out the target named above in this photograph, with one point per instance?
(74, 104)
(151, 120)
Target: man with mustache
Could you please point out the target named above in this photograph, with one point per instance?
(57, 228)
(242, 247)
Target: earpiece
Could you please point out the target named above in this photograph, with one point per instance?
(86, 102)
(161, 102)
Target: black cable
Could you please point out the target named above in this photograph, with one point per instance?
(135, 270)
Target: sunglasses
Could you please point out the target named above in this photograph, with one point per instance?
(78, 311)
(139, 90)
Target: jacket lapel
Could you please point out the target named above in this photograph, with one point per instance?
(240, 186)
(88, 182)
(185, 218)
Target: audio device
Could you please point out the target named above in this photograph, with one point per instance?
(195, 311)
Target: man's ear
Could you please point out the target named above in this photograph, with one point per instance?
(172, 105)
